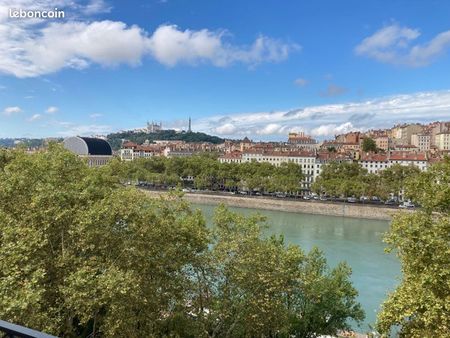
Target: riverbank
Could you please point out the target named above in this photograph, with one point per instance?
(295, 206)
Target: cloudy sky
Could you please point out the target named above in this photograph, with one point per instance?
(238, 68)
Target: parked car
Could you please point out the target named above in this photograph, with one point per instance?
(407, 205)
(323, 198)
(307, 197)
(376, 200)
(352, 200)
(364, 199)
(390, 202)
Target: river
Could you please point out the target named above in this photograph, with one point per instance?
(356, 241)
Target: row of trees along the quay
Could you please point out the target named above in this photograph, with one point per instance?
(420, 305)
(208, 173)
(81, 255)
(350, 179)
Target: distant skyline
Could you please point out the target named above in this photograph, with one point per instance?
(237, 68)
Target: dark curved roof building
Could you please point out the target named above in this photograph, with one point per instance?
(96, 150)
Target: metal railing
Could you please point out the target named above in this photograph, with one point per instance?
(9, 330)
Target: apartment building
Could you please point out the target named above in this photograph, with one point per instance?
(306, 160)
(402, 134)
(418, 159)
(442, 141)
(374, 163)
(382, 142)
(232, 157)
(131, 151)
(302, 141)
(421, 141)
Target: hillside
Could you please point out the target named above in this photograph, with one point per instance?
(25, 142)
(115, 139)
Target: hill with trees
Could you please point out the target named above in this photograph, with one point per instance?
(115, 139)
(25, 142)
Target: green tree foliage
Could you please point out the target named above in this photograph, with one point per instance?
(115, 139)
(420, 306)
(368, 144)
(262, 288)
(432, 188)
(208, 173)
(345, 178)
(350, 179)
(6, 156)
(395, 177)
(78, 253)
(82, 256)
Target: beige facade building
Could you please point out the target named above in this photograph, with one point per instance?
(402, 134)
(421, 141)
(442, 141)
(382, 142)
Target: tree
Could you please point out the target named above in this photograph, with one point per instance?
(395, 177)
(115, 139)
(345, 178)
(260, 287)
(81, 255)
(6, 156)
(368, 144)
(420, 304)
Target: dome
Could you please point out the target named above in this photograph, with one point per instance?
(87, 146)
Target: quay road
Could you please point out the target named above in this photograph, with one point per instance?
(294, 205)
(338, 201)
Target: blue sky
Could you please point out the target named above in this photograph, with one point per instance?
(237, 68)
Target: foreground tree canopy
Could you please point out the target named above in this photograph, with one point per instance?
(81, 255)
(420, 306)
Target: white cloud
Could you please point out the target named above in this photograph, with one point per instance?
(8, 111)
(35, 117)
(270, 129)
(72, 129)
(52, 110)
(301, 82)
(30, 48)
(95, 116)
(96, 6)
(226, 129)
(169, 45)
(73, 45)
(327, 120)
(333, 129)
(394, 44)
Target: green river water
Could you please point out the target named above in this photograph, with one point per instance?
(356, 241)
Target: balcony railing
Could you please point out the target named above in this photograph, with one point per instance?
(9, 330)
